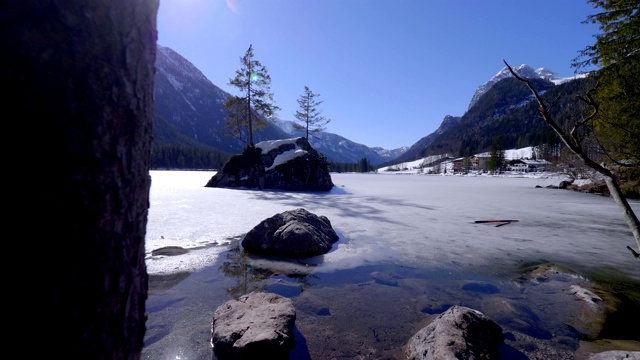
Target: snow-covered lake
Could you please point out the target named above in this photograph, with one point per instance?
(420, 229)
(413, 220)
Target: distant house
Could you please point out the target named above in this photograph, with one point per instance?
(458, 165)
(518, 165)
(526, 165)
(480, 161)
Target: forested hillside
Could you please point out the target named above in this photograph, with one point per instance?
(507, 111)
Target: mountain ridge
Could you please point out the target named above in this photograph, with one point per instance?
(189, 111)
(523, 70)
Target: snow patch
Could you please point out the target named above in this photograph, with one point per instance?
(588, 296)
(269, 145)
(286, 156)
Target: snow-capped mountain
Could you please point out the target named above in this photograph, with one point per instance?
(339, 149)
(501, 107)
(523, 70)
(390, 154)
(189, 112)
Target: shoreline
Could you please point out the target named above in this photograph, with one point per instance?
(355, 302)
(419, 232)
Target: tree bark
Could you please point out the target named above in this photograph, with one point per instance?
(572, 141)
(78, 79)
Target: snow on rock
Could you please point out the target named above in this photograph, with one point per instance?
(268, 145)
(584, 294)
(285, 157)
(289, 164)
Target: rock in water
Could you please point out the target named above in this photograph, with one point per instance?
(289, 164)
(458, 333)
(294, 233)
(258, 325)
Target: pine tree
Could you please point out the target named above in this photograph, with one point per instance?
(466, 164)
(619, 39)
(309, 115)
(248, 111)
(365, 165)
(617, 52)
(496, 161)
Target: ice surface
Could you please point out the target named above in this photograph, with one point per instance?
(413, 220)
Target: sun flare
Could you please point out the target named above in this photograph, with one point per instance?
(231, 4)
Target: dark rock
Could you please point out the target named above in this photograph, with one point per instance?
(257, 325)
(594, 188)
(458, 333)
(294, 233)
(565, 184)
(384, 278)
(169, 251)
(290, 164)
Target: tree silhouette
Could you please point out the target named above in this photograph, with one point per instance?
(309, 114)
(249, 110)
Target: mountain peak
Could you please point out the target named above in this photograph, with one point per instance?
(523, 70)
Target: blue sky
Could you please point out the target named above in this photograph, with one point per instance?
(388, 71)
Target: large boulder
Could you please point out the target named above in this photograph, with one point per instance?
(289, 164)
(258, 325)
(294, 234)
(458, 333)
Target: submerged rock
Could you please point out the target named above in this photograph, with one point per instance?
(570, 297)
(384, 278)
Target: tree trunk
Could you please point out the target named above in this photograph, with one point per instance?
(572, 141)
(78, 79)
(629, 214)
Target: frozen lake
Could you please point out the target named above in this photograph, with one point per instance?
(418, 221)
(420, 229)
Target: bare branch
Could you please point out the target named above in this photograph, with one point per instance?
(573, 141)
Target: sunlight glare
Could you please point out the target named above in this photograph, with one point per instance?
(231, 4)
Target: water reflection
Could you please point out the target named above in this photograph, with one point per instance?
(371, 311)
(286, 277)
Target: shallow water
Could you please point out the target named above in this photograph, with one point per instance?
(347, 314)
(417, 231)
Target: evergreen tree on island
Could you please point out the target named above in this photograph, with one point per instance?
(250, 110)
(309, 115)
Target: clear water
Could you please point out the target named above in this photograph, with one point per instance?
(419, 230)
